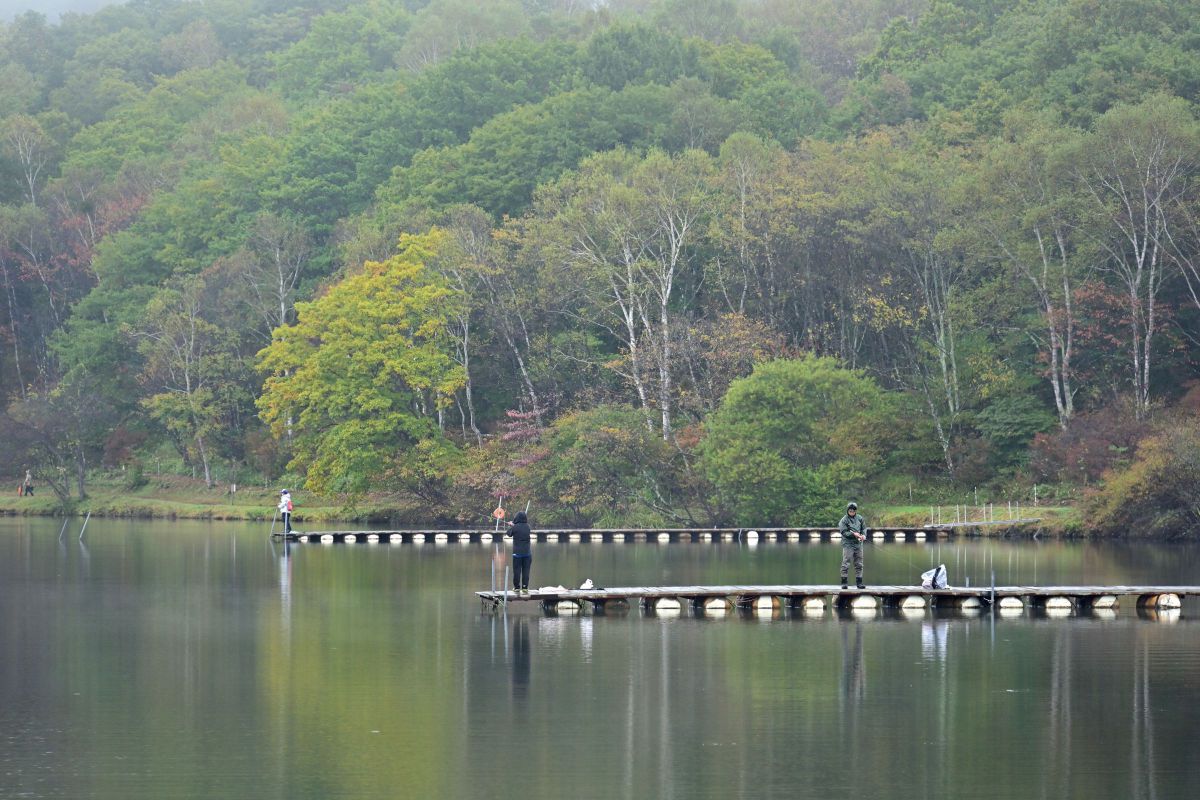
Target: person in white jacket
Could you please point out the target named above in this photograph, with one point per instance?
(285, 510)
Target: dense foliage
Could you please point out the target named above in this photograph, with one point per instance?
(687, 260)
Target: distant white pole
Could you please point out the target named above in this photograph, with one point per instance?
(84, 528)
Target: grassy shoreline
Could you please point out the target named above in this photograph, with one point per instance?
(182, 498)
(176, 497)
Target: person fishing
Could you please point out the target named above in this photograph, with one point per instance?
(285, 510)
(853, 529)
(522, 555)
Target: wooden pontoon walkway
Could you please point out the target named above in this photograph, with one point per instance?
(816, 596)
(662, 535)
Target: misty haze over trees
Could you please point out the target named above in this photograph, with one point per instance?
(641, 261)
(52, 9)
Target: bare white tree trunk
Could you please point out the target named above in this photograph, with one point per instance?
(11, 297)
(28, 146)
(1058, 314)
(1138, 168)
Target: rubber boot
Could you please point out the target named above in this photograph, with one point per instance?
(844, 586)
(860, 584)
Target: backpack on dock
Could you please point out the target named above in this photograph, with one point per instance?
(934, 578)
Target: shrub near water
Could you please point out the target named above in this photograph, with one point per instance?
(791, 439)
(1156, 494)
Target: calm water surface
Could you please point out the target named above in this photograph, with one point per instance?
(187, 660)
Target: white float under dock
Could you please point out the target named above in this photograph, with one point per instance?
(646, 535)
(706, 599)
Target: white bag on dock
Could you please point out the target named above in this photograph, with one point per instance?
(934, 578)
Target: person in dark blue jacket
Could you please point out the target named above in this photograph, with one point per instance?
(522, 555)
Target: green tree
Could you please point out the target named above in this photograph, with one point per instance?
(624, 54)
(601, 466)
(189, 370)
(343, 49)
(627, 227)
(1138, 170)
(1026, 215)
(360, 383)
(446, 26)
(510, 155)
(789, 441)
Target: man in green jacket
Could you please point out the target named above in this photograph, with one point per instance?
(853, 529)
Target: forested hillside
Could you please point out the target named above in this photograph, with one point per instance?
(642, 260)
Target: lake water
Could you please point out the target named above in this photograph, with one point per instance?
(189, 660)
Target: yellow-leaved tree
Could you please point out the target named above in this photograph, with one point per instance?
(357, 384)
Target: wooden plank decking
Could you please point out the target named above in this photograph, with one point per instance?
(796, 595)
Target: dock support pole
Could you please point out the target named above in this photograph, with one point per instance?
(506, 568)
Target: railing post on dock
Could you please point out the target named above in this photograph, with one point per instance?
(506, 568)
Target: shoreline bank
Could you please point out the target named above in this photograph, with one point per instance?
(166, 502)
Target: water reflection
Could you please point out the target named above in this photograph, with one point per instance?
(1143, 755)
(934, 634)
(520, 658)
(285, 587)
(192, 665)
(854, 668)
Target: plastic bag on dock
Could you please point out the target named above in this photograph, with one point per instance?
(934, 578)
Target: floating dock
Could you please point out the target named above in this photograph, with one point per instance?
(660, 535)
(719, 599)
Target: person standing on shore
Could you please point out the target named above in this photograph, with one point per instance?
(853, 529)
(28, 485)
(522, 555)
(285, 510)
